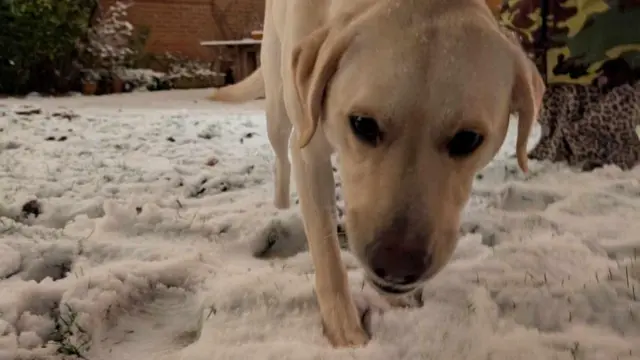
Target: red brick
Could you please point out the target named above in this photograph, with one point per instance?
(178, 26)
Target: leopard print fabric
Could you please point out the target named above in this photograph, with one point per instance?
(589, 127)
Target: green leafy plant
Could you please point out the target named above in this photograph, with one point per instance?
(137, 44)
(39, 43)
(71, 338)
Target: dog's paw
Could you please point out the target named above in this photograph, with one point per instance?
(341, 334)
(367, 306)
(350, 325)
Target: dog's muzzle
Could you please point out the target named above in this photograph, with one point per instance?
(391, 289)
(404, 296)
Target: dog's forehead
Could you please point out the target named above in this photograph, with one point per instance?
(437, 71)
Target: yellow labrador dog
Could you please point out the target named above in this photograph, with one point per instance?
(414, 96)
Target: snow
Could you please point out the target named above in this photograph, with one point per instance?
(153, 230)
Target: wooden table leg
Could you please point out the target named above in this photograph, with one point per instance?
(240, 62)
(245, 62)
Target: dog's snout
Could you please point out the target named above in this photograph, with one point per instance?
(397, 264)
(398, 255)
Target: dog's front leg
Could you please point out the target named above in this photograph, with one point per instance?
(316, 191)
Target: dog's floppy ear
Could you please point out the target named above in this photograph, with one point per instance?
(315, 60)
(526, 97)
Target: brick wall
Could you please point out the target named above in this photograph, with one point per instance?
(178, 26)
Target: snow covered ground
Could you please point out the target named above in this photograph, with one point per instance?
(140, 226)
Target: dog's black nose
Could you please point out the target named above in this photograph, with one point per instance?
(396, 264)
(398, 255)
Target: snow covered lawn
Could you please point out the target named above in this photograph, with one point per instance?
(140, 226)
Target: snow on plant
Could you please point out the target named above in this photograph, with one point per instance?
(108, 40)
(141, 79)
(188, 68)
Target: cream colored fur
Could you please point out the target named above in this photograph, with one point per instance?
(424, 69)
(250, 88)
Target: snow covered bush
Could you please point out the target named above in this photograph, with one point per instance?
(107, 42)
(189, 74)
(144, 79)
(190, 68)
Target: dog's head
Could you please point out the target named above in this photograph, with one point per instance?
(415, 97)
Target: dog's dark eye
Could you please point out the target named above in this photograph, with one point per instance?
(464, 143)
(366, 129)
